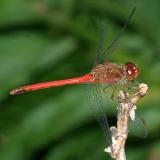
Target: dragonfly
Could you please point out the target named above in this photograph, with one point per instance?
(103, 72)
(108, 73)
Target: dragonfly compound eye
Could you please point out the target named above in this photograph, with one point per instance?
(131, 71)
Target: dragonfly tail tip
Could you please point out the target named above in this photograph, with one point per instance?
(12, 92)
(17, 91)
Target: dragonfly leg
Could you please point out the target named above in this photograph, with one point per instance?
(113, 97)
(113, 93)
(105, 89)
(133, 85)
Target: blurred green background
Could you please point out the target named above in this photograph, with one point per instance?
(55, 39)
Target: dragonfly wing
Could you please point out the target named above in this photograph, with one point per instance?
(113, 43)
(100, 44)
(138, 126)
(99, 111)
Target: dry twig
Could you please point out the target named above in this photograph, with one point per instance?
(126, 109)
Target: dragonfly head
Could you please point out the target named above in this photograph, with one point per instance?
(131, 71)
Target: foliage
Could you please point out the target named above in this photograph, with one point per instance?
(43, 40)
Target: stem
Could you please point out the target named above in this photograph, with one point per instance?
(126, 109)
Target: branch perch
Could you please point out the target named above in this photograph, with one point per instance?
(126, 109)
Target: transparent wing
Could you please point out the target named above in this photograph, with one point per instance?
(115, 40)
(100, 44)
(138, 127)
(99, 112)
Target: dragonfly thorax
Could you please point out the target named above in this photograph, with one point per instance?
(107, 73)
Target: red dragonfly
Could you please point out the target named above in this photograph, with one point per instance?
(104, 72)
(107, 73)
